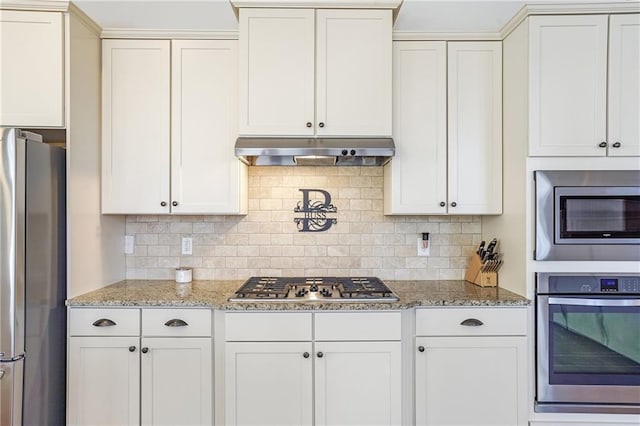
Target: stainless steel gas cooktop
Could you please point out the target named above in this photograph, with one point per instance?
(314, 289)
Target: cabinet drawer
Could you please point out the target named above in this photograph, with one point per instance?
(268, 327)
(104, 322)
(448, 321)
(176, 322)
(358, 326)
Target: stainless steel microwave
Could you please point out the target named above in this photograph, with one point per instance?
(587, 215)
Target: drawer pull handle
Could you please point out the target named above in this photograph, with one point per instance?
(176, 323)
(103, 322)
(472, 322)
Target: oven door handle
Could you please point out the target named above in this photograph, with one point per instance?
(577, 301)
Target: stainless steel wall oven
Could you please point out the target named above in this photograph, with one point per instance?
(588, 343)
(587, 215)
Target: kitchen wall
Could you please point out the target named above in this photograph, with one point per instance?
(267, 242)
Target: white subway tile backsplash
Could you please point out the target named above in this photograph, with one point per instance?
(267, 241)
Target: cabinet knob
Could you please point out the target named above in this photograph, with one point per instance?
(454, 204)
(175, 203)
(132, 348)
(163, 203)
(320, 354)
(306, 354)
(321, 124)
(442, 204)
(616, 145)
(420, 348)
(472, 322)
(103, 322)
(602, 144)
(144, 350)
(309, 124)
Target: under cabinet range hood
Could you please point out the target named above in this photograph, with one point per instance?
(283, 151)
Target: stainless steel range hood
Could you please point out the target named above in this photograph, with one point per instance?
(273, 151)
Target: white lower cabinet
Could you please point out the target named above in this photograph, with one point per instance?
(104, 384)
(127, 379)
(473, 374)
(357, 383)
(344, 379)
(268, 383)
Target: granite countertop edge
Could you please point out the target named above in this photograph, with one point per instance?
(214, 294)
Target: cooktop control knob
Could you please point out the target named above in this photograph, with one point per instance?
(353, 152)
(345, 152)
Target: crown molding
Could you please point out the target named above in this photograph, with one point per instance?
(394, 5)
(169, 34)
(85, 19)
(36, 5)
(429, 36)
(567, 9)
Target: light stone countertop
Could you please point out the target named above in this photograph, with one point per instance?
(215, 294)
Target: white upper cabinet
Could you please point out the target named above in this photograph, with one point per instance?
(353, 72)
(416, 177)
(432, 173)
(475, 127)
(570, 64)
(135, 126)
(32, 71)
(169, 126)
(305, 72)
(206, 177)
(277, 71)
(624, 85)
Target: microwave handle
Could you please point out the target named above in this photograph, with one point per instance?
(578, 301)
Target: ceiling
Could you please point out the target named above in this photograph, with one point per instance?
(475, 16)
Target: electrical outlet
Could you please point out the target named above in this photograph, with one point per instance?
(422, 250)
(129, 242)
(187, 245)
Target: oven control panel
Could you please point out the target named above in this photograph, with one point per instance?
(562, 283)
(619, 285)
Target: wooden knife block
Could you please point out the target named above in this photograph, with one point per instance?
(476, 276)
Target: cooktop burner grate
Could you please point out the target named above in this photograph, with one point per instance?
(314, 289)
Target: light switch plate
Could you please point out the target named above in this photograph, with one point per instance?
(424, 251)
(129, 242)
(187, 245)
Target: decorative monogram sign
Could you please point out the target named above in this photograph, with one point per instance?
(316, 208)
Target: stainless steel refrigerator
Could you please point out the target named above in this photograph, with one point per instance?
(32, 280)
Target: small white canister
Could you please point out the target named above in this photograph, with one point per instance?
(183, 275)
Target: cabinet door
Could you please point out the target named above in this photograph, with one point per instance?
(135, 128)
(358, 383)
(206, 177)
(471, 381)
(276, 71)
(353, 72)
(31, 76)
(624, 85)
(475, 127)
(177, 381)
(416, 177)
(568, 84)
(268, 383)
(104, 381)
